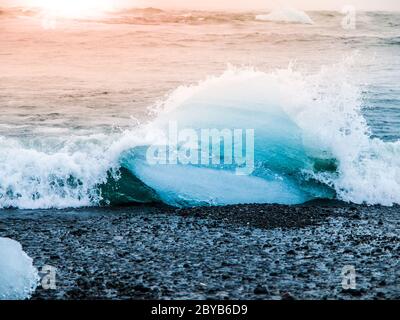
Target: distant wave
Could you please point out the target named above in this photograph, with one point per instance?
(146, 11)
(392, 41)
(17, 11)
(155, 16)
(286, 15)
(146, 16)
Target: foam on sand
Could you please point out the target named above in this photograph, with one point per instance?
(310, 141)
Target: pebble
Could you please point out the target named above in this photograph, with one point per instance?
(149, 252)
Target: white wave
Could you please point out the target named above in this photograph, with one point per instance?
(18, 276)
(288, 15)
(58, 174)
(296, 118)
(326, 110)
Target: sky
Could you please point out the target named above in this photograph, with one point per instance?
(248, 4)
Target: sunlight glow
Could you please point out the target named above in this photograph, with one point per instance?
(74, 8)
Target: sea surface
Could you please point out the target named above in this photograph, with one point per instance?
(81, 99)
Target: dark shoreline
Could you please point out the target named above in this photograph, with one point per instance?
(236, 252)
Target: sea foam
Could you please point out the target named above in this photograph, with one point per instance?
(311, 141)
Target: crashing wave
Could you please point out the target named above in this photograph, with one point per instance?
(286, 15)
(310, 141)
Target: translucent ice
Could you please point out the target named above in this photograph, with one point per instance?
(18, 276)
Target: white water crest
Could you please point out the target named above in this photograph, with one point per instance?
(311, 141)
(287, 15)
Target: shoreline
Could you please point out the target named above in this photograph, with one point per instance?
(236, 252)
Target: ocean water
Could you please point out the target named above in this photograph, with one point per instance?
(81, 101)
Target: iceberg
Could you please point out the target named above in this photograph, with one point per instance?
(18, 276)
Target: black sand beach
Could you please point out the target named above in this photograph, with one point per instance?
(231, 252)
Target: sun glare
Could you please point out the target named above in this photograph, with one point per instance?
(74, 8)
